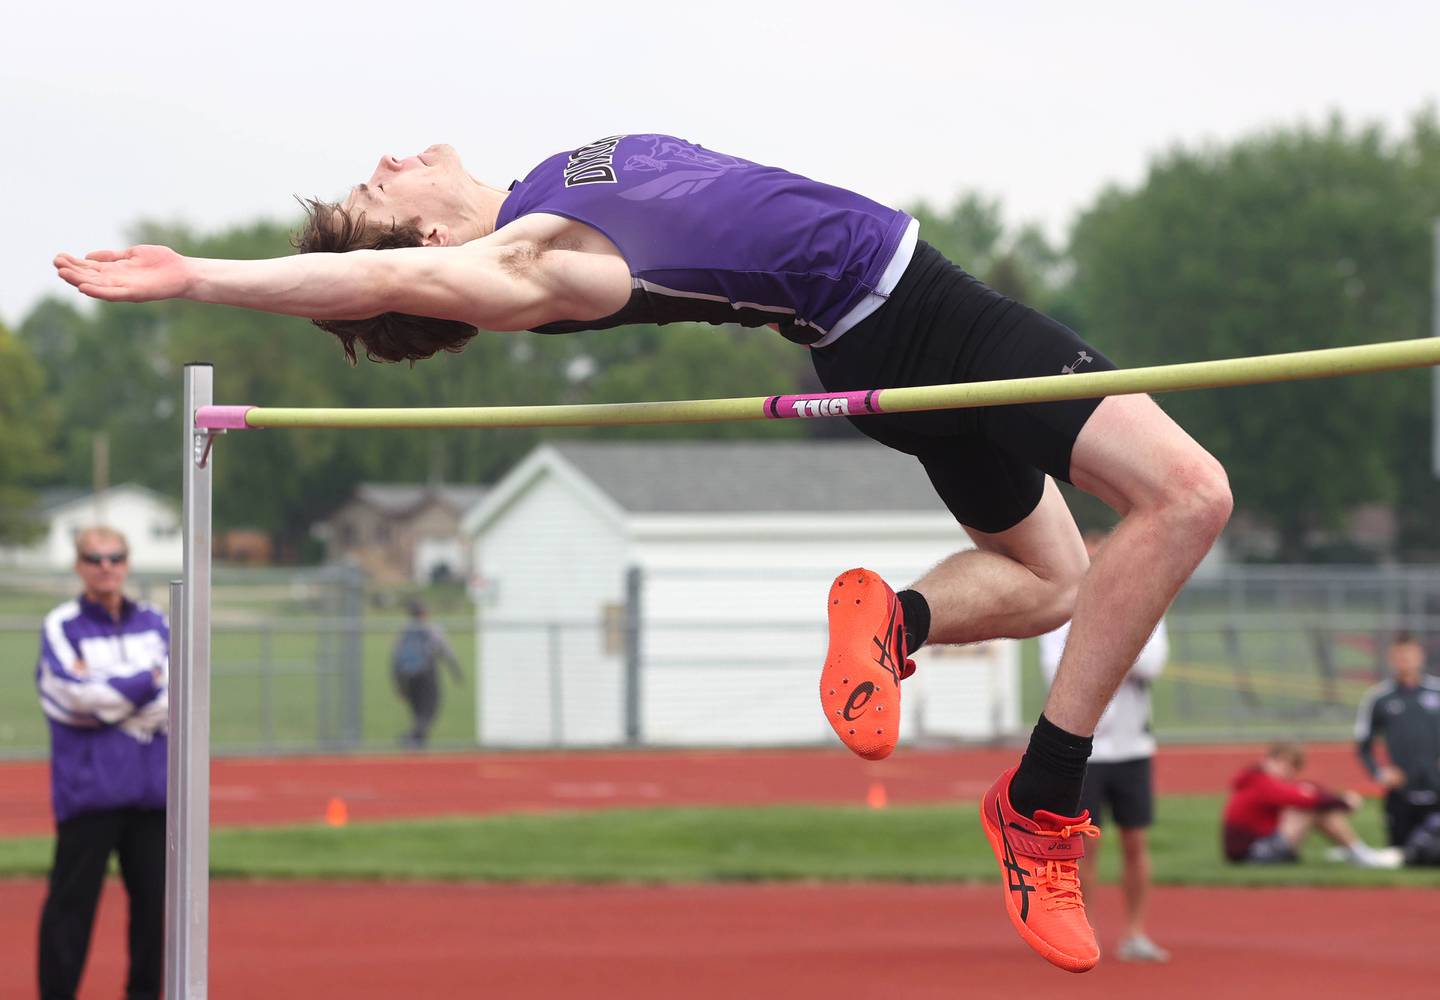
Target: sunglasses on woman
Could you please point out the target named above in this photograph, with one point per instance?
(97, 558)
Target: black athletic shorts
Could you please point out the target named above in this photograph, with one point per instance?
(1124, 789)
(1403, 817)
(941, 325)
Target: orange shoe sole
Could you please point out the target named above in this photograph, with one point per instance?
(1043, 948)
(860, 683)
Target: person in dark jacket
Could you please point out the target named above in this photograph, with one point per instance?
(1270, 812)
(101, 677)
(1404, 713)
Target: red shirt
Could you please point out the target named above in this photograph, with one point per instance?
(1257, 800)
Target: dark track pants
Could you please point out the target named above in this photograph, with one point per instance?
(1403, 817)
(422, 693)
(83, 846)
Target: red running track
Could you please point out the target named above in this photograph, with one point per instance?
(248, 791)
(300, 941)
(304, 940)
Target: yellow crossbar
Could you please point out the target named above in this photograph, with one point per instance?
(1326, 363)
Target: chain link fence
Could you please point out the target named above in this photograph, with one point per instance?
(291, 653)
(1269, 652)
(301, 663)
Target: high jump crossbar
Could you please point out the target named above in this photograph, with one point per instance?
(1079, 384)
(187, 889)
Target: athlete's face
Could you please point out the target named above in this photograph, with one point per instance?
(1284, 767)
(1407, 662)
(428, 187)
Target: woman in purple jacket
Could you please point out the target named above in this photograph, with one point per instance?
(101, 677)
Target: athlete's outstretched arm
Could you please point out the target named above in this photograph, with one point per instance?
(495, 287)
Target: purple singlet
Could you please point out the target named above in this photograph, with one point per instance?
(711, 238)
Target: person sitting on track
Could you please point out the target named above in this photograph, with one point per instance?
(1270, 812)
(645, 228)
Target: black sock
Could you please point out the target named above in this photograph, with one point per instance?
(917, 618)
(1052, 771)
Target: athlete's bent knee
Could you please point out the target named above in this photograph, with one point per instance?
(1062, 588)
(1054, 613)
(1197, 495)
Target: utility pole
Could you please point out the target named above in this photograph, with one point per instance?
(1435, 372)
(100, 472)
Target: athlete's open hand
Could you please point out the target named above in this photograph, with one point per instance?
(139, 274)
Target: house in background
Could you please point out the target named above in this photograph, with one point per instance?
(402, 532)
(674, 593)
(149, 521)
(244, 547)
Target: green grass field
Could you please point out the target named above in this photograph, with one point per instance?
(815, 843)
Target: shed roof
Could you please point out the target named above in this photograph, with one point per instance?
(398, 499)
(752, 476)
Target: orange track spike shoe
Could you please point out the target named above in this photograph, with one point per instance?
(1040, 875)
(865, 663)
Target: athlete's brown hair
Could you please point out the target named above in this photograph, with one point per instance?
(1289, 751)
(332, 228)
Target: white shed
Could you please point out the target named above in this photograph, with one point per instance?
(149, 521)
(674, 593)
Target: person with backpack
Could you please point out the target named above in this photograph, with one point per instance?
(414, 663)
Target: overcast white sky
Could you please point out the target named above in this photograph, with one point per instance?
(218, 113)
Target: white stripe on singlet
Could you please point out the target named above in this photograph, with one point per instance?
(904, 251)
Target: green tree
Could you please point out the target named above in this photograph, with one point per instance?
(972, 232)
(26, 438)
(105, 371)
(1293, 239)
(691, 361)
(1419, 494)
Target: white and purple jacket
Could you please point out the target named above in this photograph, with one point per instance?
(107, 720)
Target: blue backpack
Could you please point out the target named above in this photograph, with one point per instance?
(413, 653)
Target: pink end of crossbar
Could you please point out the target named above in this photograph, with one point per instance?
(828, 404)
(222, 418)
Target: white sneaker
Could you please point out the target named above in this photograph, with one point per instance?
(1391, 857)
(1364, 856)
(1141, 949)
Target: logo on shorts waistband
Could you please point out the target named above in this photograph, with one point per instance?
(1072, 366)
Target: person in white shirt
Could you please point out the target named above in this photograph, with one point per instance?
(1119, 779)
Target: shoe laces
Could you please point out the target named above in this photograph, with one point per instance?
(1059, 880)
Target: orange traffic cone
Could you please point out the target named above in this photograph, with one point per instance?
(336, 812)
(876, 798)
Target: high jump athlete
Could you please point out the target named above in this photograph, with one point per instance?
(644, 228)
